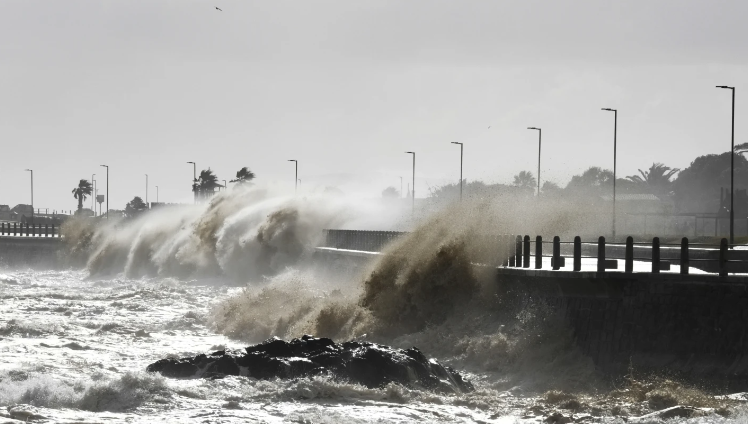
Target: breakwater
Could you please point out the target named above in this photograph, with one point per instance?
(645, 313)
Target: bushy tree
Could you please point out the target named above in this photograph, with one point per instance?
(390, 193)
(525, 181)
(656, 180)
(135, 207)
(697, 188)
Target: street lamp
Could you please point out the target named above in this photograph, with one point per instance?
(107, 190)
(194, 179)
(32, 195)
(93, 198)
(540, 139)
(296, 178)
(461, 146)
(732, 167)
(413, 192)
(615, 141)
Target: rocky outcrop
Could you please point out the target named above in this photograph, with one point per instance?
(368, 364)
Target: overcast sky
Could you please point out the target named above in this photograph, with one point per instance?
(347, 86)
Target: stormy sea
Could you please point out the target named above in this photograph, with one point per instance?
(75, 341)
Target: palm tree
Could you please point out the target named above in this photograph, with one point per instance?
(243, 175)
(84, 189)
(525, 180)
(206, 183)
(656, 179)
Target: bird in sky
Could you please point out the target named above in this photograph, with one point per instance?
(489, 127)
(218, 8)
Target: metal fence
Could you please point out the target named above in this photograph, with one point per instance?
(524, 252)
(16, 229)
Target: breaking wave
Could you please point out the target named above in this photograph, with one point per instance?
(242, 235)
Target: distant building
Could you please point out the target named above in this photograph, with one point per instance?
(21, 212)
(5, 213)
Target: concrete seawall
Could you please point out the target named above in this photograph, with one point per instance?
(694, 325)
(36, 252)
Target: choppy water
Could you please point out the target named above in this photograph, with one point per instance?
(74, 350)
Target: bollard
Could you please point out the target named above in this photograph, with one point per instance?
(503, 251)
(538, 252)
(46, 230)
(577, 253)
(53, 230)
(723, 258)
(518, 252)
(526, 259)
(656, 255)
(629, 255)
(601, 254)
(33, 230)
(556, 253)
(684, 262)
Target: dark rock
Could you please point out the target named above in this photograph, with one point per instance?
(368, 364)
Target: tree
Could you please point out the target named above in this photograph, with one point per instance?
(135, 207)
(243, 176)
(656, 179)
(206, 183)
(697, 188)
(550, 188)
(525, 181)
(390, 193)
(83, 190)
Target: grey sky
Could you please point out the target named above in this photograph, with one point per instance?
(346, 87)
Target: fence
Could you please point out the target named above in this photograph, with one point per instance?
(16, 229)
(514, 251)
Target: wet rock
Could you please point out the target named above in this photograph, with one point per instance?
(368, 364)
(679, 411)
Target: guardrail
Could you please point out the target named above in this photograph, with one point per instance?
(515, 251)
(16, 229)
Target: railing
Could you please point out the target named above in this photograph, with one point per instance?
(512, 251)
(16, 229)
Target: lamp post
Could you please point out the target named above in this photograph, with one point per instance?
(93, 198)
(615, 141)
(732, 167)
(32, 195)
(194, 180)
(413, 192)
(146, 191)
(461, 146)
(540, 140)
(296, 178)
(225, 186)
(107, 190)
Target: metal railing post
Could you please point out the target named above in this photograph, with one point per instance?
(629, 265)
(518, 252)
(556, 253)
(53, 230)
(46, 230)
(504, 251)
(577, 253)
(526, 259)
(723, 258)
(601, 254)
(538, 252)
(684, 262)
(656, 255)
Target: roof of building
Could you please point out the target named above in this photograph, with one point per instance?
(22, 209)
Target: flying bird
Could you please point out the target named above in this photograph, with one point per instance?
(218, 8)
(489, 127)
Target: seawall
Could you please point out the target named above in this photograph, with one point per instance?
(36, 252)
(695, 326)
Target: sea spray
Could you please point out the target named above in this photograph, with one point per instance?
(242, 235)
